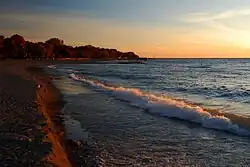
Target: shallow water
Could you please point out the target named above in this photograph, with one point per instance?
(155, 114)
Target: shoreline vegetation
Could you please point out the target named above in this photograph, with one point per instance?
(44, 140)
(16, 47)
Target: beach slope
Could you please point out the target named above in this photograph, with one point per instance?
(31, 131)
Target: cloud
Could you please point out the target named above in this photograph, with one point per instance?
(222, 28)
(205, 17)
(217, 21)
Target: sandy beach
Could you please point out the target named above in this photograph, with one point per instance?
(21, 125)
(32, 131)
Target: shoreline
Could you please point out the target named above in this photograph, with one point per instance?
(50, 104)
(76, 152)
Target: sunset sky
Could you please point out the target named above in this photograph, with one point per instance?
(151, 28)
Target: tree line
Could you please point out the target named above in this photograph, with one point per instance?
(16, 47)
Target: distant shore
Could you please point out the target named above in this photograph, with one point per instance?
(26, 81)
(17, 47)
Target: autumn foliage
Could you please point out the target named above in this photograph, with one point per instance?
(54, 48)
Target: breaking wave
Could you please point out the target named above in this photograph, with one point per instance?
(172, 108)
(51, 66)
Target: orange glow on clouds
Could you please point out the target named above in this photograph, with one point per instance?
(203, 36)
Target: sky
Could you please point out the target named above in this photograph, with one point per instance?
(150, 28)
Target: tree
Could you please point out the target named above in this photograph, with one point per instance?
(129, 55)
(19, 46)
(54, 41)
(1, 44)
(35, 50)
(18, 40)
(1, 39)
(62, 51)
(103, 54)
(55, 45)
(8, 48)
(49, 51)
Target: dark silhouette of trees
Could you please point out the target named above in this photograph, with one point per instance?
(35, 51)
(1, 39)
(18, 44)
(8, 49)
(1, 46)
(49, 51)
(18, 40)
(54, 48)
(62, 51)
(54, 41)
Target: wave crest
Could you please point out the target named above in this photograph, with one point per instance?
(165, 106)
(51, 66)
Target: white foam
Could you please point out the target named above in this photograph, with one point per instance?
(168, 107)
(51, 66)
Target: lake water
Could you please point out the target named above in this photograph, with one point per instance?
(172, 112)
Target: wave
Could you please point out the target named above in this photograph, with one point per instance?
(216, 92)
(123, 76)
(51, 66)
(199, 66)
(61, 69)
(237, 94)
(165, 106)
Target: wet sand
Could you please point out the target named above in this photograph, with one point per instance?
(32, 132)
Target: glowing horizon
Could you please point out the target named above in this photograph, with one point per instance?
(162, 28)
